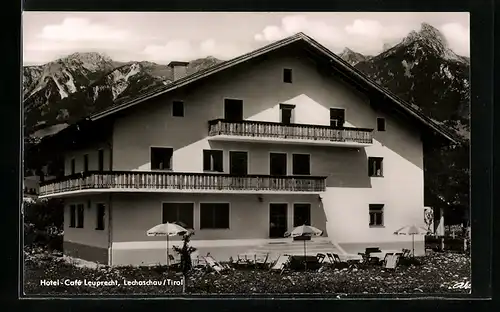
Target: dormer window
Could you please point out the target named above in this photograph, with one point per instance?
(287, 75)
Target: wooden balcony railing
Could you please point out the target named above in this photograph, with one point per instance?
(171, 181)
(249, 128)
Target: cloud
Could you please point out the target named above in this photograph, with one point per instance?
(458, 38)
(366, 36)
(184, 50)
(81, 29)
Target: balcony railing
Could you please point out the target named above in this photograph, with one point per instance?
(250, 128)
(176, 181)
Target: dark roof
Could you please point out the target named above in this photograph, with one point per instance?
(334, 59)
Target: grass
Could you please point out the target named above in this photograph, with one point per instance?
(436, 273)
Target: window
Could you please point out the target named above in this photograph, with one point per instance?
(238, 163)
(100, 217)
(301, 164)
(214, 216)
(179, 213)
(72, 216)
(80, 214)
(277, 164)
(85, 162)
(376, 214)
(287, 75)
(73, 170)
(375, 167)
(100, 161)
(301, 214)
(337, 117)
(178, 109)
(380, 124)
(212, 160)
(161, 158)
(233, 110)
(286, 113)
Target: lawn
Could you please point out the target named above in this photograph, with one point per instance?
(436, 273)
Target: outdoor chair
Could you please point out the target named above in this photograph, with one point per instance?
(281, 263)
(260, 260)
(214, 265)
(320, 257)
(368, 260)
(335, 260)
(391, 261)
(406, 253)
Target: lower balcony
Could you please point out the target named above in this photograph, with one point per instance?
(177, 182)
(275, 132)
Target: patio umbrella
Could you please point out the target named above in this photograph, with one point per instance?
(304, 230)
(167, 229)
(412, 230)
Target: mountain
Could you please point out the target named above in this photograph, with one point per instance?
(60, 92)
(352, 57)
(424, 71)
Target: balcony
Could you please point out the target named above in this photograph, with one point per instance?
(176, 182)
(274, 132)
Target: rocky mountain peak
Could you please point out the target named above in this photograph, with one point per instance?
(352, 57)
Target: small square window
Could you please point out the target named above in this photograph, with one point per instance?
(380, 124)
(287, 75)
(178, 109)
(375, 168)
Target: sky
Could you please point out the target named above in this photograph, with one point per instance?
(165, 36)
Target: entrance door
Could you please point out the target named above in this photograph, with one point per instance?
(277, 164)
(233, 110)
(238, 163)
(277, 220)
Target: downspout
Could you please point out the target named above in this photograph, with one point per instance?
(110, 203)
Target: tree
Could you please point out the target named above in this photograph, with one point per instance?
(185, 252)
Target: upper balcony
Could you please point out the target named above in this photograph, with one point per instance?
(178, 182)
(275, 132)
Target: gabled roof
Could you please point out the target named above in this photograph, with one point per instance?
(334, 59)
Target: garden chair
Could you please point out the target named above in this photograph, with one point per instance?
(281, 263)
(406, 253)
(320, 257)
(335, 260)
(260, 260)
(391, 261)
(214, 265)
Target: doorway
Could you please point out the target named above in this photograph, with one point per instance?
(238, 163)
(278, 220)
(233, 110)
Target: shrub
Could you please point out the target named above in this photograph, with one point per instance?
(185, 252)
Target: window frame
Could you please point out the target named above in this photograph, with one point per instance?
(287, 73)
(210, 153)
(171, 161)
(192, 204)
(80, 219)
(370, 171)
(72, 216)
(293, 164)
(376, 209)
(174, 110)
(381, 124)
(98, 217)
(214, 217)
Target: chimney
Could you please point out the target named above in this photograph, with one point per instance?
(179, 69)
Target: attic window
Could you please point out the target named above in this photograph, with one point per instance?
(287, 75)
(178, 109)
(380, 124)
